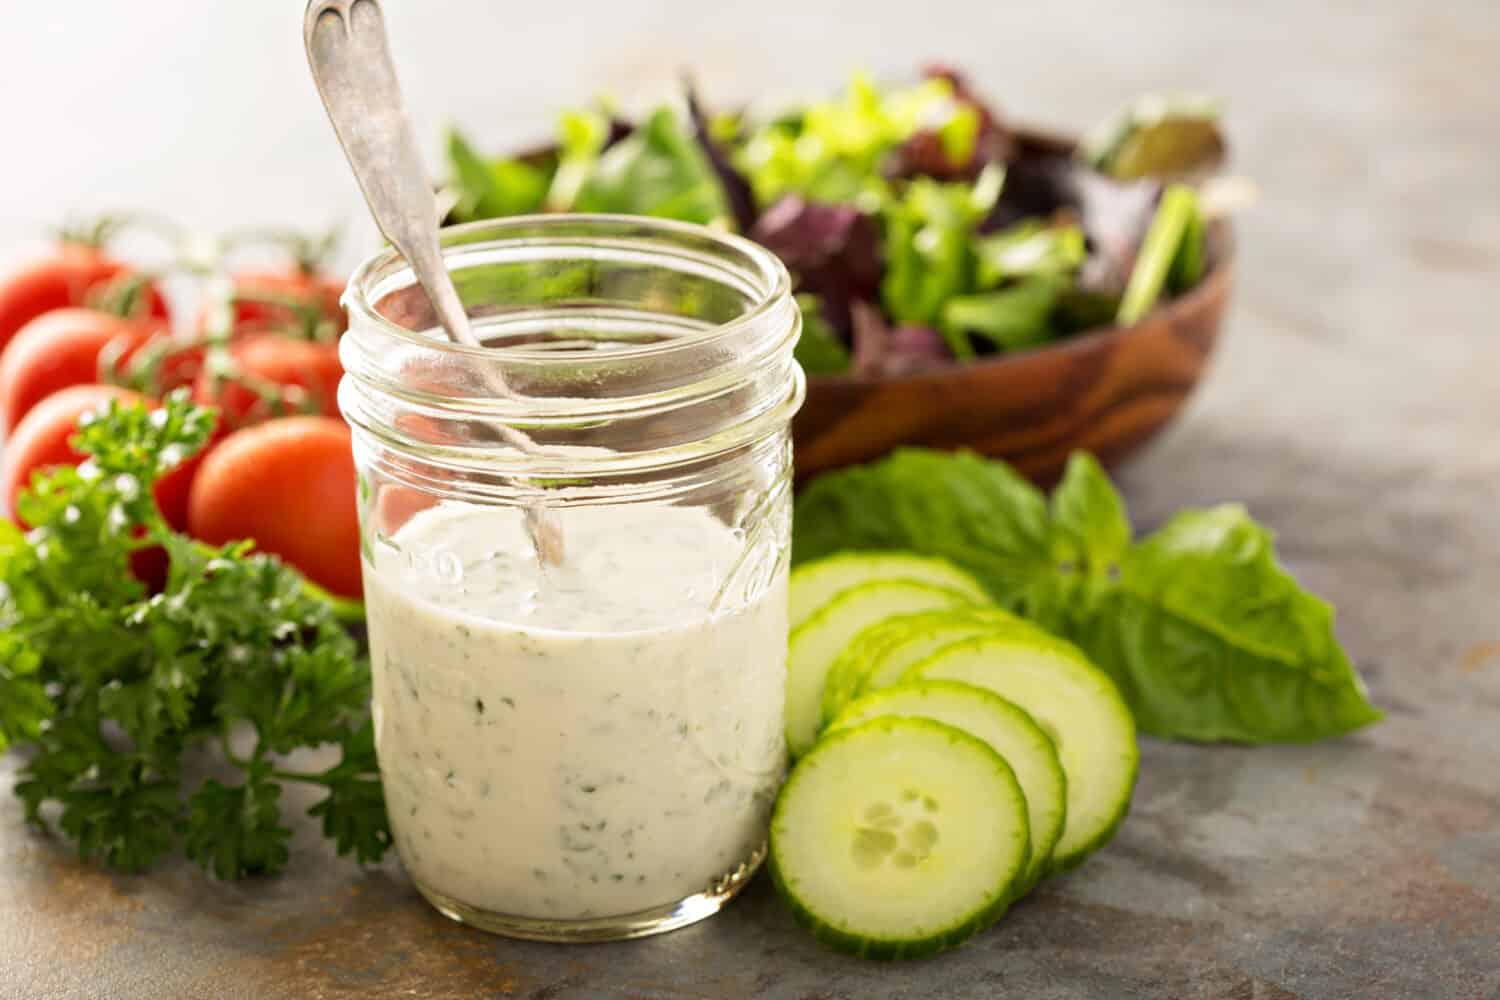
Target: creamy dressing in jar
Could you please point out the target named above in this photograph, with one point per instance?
(592, 740)
(590, 750)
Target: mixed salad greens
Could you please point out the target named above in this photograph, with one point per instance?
(919, 228)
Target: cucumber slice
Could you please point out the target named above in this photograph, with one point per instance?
(817, 642)
(1079, 708)
(1007, 729)
(814, 584)
(879, 655)
(899, 838)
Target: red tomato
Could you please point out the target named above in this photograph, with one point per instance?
(306, 373)
(174, 490)
(64, 279)
(40, 442)
(58, 349)
(289, 485)
(41, 438)
(310, 289)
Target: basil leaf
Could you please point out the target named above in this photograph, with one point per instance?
(979, 514)
(1209, 639)
(1090, 535)
(1090, 524)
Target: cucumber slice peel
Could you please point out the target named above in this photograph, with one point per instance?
(898, 838)
(817, 642)
(1009, 731)
(1079, 708)
(879, 655)
(812, 585)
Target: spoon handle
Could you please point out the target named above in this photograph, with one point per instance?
(351, 65)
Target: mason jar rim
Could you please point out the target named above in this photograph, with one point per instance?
(776, 283)
(746, 350)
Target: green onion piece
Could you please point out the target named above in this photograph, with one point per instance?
(1179, 204)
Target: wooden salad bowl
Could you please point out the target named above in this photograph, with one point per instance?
(1107, 391)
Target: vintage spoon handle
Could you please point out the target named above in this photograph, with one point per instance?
(351, 64)
(350, 59)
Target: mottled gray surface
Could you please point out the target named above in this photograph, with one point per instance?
(1355, 406)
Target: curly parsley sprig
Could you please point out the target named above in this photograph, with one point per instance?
(109, 688)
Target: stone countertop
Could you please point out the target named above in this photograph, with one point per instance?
(1354, 406)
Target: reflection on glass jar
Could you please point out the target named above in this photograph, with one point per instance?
(585, 750)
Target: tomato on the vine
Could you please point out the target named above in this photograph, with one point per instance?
(295, 299)
(41, 441)
(270, 375)
(289, 485)
(68, 277)
(62, 348)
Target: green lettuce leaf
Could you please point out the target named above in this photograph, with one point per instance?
(1158, 136)
(1013, 318)
(490, 189)
(1206, 635)
(1030, 248)
(581, 137)
(929, 251)
(1189, 263)
(832, 151)
(657, 170)
(819, 350)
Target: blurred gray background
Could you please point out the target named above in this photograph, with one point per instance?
(205, 111)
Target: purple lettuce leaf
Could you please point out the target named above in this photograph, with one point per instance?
(832, 251)
(736, 186)
(881, 350)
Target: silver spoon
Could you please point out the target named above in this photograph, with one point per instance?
(351, 64)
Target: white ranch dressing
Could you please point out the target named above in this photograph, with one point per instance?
(584, 742)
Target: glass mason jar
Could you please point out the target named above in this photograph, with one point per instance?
(589, 749)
